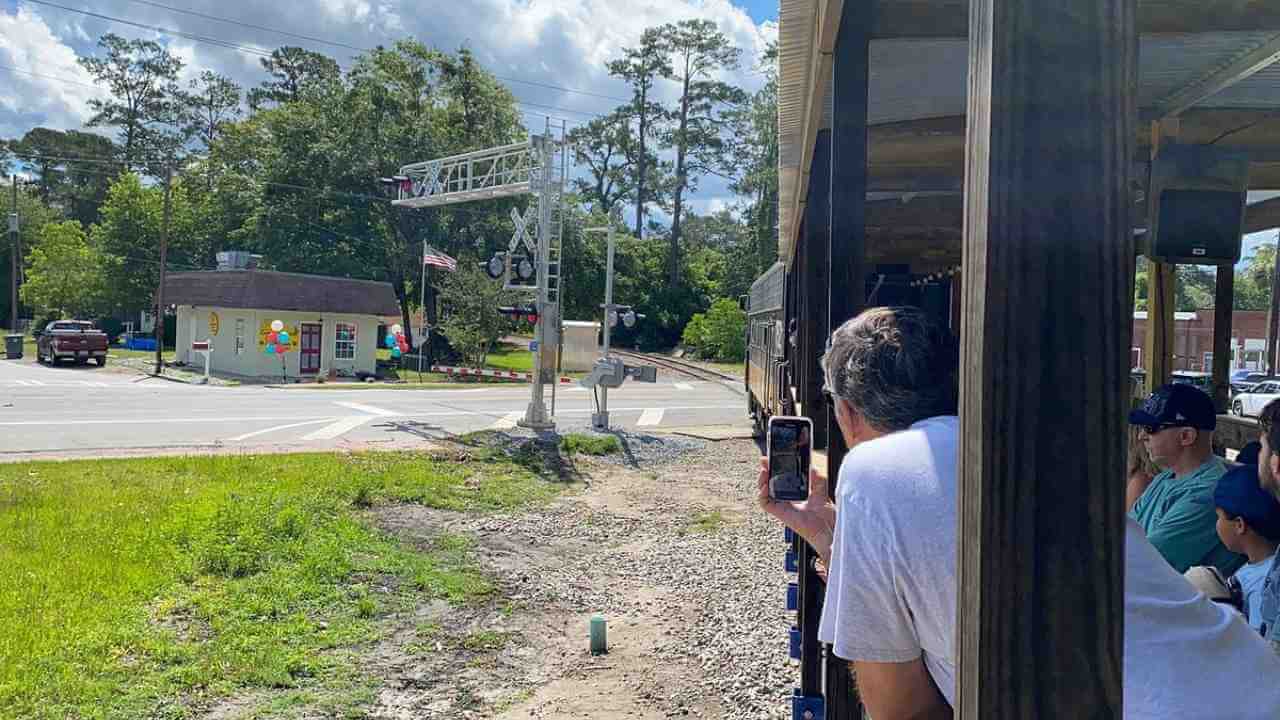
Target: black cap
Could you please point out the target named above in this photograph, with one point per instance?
(1177, 405)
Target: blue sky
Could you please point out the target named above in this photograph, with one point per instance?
(761, 10)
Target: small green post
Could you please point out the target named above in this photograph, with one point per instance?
(599, 635)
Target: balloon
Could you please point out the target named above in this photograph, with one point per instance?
(272, 338)
(395, 352)
(271, 349)
(280, 348)
(396, 329)
(282, 337)
(390, 340)
(276, 325)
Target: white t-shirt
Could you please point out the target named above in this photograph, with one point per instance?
(891, 595)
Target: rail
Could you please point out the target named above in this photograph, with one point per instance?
(682, 366)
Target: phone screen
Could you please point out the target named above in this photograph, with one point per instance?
(789, 455)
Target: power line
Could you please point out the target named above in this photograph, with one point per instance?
(346, 46)
(48, 77)
(238, 47)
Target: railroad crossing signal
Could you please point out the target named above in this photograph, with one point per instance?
(520, 312)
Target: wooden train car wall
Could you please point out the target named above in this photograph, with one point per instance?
(766, 345)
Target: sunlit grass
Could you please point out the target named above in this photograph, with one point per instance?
(134, 588)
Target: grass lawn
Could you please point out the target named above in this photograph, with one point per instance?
(116, 351)
(149, 587)
(506, 356)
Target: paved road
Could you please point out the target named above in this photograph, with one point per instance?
(78, 410)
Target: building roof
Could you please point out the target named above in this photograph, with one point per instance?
(266, 290)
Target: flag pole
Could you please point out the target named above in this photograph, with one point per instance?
(422, 344)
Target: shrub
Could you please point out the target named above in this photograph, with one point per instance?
(720, 333)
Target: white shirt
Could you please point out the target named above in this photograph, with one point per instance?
(891, 594)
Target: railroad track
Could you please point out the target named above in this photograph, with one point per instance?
(684, 367)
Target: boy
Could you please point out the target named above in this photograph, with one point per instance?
(1249, 524)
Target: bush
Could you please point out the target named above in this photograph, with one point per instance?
(720, 333)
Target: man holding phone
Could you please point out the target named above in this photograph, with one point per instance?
(889, 542)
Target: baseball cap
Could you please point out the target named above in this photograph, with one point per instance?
(1239, 495)
(1177, 404)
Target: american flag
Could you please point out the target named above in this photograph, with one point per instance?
(431, 256)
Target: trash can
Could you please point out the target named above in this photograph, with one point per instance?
(13, 346)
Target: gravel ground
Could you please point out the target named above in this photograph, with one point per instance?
(672, 549)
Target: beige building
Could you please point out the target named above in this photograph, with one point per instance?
(332, 322)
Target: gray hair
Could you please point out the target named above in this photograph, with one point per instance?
(894, 365)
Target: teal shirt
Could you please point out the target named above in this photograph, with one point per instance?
(1178, 516)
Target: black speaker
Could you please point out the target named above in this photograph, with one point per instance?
(1198, 196)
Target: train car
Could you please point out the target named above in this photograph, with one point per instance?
(765, 370)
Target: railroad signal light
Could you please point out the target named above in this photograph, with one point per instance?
(496, 267)
(524, 269)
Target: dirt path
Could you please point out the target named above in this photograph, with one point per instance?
(688, 575)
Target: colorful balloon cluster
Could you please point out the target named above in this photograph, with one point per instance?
(396, 341)
(277, 339)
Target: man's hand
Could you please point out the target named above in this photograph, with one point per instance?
(814, 518)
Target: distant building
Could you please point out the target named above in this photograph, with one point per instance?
(1193, 339)
(332, 322)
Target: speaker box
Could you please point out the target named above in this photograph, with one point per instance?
(1197, 196)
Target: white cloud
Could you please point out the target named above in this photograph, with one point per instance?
(43, 84)
(563, 43)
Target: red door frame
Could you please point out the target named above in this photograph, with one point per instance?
(309, 346)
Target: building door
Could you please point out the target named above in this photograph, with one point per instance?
(309, 354)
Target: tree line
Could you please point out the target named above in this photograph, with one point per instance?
(290, 169)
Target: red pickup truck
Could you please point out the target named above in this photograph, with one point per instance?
(76, 340)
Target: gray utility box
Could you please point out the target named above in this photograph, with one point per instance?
(13, 347)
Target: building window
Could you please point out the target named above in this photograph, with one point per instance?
(239, 336)
(344, 345)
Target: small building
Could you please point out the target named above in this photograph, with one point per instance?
(332, 322)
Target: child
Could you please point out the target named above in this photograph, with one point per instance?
(1249, 524)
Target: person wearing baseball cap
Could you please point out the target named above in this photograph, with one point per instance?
(1176, 510)
(1248, 523)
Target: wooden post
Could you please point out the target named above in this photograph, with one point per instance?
(1223, 298)
(1048, 286)
(1161, 277)
(848, 187)
(164, 248)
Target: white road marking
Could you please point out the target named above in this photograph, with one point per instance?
(256, 433)
(578, 388)
(651, 416)
(258, 418)
(329, 432)
(683, 386)
(368, 409)
(508, 421)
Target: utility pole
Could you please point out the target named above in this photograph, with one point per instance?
(15, 247)
(164, 249)
(600, 419)
(536, 416)
(1273, 313)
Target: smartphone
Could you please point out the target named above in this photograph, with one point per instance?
(790, 452)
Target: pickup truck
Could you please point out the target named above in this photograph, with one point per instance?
(76, 340)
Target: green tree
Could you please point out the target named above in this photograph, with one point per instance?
(212, 102)
(603, 147)
(67, 276)
(141, 77)
(700, 131)
(720, 333)
(130, 231)
(33, 215)
(641, 67)
(471, 320)
(294, 73)
(759, 176)
(53, 157)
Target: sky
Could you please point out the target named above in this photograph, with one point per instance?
(550, 53)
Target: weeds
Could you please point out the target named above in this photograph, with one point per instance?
(582, 443)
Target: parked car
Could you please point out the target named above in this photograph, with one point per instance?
(75, 340)
(1202, 380)
(1247, 383)
(1249, 404)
